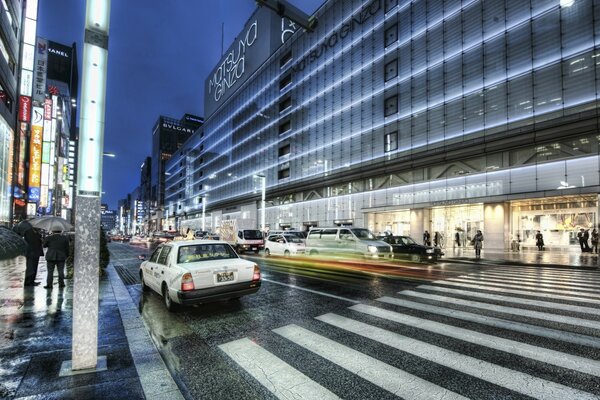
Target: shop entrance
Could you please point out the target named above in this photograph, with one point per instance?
(456, 225)
(557, 218)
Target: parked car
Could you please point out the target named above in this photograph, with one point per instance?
(346, 241)
(198, 271)
(284, 244)
(407, 247)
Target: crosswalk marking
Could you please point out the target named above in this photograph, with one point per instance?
(507, 285)
(557, 358)
(517, 300)
(537, 273)
(284, 381)
(575, 338)
(568, 301)
(523, 292)
(534, 282)
(381, 374)
(514, 380)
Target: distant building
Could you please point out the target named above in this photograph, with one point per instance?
(108, 219)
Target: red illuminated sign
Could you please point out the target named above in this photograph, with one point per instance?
(24, 108)
(48, 109)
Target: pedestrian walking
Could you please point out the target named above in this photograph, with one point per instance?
(595, 241)
(34, 251)
(457, 238)
(427, 239)
(478, 243)
(57, 253)
(437, 239)
(586, 237)
(580, 238)
(539, 241)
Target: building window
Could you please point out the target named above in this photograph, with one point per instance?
(390, 106)
(390, 141)
(200, 187)
(180, 184)
(286, 58)
(284, 173)
(181, 174)
(285, 81)
(285, 104)
(391, 35)
(284, 150)
(389, 4)
(285, 126)
(199, 200)
(201, 147)
(391, 70)
(180, 196)
(179, 207)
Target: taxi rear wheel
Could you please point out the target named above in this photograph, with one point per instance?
(169, 304)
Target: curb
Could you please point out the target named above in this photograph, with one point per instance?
(155, 378)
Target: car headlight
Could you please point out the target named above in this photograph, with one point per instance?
(372, 249)
(430, 251)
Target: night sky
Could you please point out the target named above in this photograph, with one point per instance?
(159, 54)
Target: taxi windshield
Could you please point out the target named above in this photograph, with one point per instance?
(204, 252)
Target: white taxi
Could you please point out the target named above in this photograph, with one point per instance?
(198, 271)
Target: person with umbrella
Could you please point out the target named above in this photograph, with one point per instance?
(34, 250)
(58, 251)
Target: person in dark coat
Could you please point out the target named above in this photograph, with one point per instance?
(57, 253)
(539, 240)
(34, 252)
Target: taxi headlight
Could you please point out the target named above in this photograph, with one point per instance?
(372, 249)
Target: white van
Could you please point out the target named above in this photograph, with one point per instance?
(346, 241)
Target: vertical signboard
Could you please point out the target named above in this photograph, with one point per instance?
(24, 108)
(35, 153)
(41, 68)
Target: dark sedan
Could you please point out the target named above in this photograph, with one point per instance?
(406, 247)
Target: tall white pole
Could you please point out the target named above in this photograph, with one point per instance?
(264, 203)
(89, 185)
(203, 213)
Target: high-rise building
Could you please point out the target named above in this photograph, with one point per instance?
(407, 116)
(168, 135)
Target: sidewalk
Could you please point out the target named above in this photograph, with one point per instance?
(526, 257)
(35, 338)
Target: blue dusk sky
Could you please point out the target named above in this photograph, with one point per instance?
(159, 55)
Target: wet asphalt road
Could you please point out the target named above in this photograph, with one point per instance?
(410, 331)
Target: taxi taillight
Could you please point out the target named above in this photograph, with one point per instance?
(187, 282)
(256, 276)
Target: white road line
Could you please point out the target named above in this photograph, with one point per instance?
(523, 292)
(522, 278)
(513, 380)
(518, 300)
(532, 283)
(390, 378)
(550, 333)
(284, 381)
(592, 275)
(562, 319)
(544, 355)
(311, 291)
(520, 286)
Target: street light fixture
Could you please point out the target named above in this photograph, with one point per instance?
(107, 154)
(263, 197)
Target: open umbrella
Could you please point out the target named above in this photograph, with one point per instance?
(22, 227)
(51, 223)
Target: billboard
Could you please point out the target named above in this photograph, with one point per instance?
(264, 33)
(24, 108)
(40, 69)
(35, 162)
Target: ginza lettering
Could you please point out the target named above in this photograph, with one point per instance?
(360, 18)
(233, 66)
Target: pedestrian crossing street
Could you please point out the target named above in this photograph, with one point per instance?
(510, 332)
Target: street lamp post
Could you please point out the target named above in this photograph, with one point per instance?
(263, 200)
(203, 213)
(89, 187)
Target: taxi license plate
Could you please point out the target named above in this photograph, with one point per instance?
(224, 276)
(254, 248)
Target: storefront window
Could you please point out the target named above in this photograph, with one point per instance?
(396, 222)
(557, 218)
(457, 222)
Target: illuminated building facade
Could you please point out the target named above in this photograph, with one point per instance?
(404, 116)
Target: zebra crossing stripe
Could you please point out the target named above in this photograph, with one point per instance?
(584, 289)
(517, 300)
(557, 281)
(390, 378)
(507, 310)
(523, 292)
(513, 380)
(537, 273)
(548, 356)
(278, 377)
(508, 285)
(575, 338)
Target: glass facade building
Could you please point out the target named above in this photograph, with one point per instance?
(405, 116)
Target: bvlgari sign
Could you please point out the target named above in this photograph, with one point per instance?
(264, 32)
